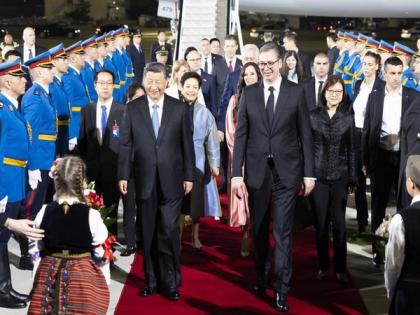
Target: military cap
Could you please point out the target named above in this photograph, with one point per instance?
(119, 32)
(42, 60)
(12, 67)
(76, 48)
(109, 36)
(350, 37)
(137, 33)
(58, 52)
(412, 169)
(400, 49)
(341, 35)
(101, 40)
(362, 38)
(372, 43)
(385, 47)
(162, 51)
(90, 42)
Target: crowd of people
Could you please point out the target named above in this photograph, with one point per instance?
(271, 124)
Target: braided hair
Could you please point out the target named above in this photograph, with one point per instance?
(70, 177)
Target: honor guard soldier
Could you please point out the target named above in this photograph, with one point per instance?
(76, 90)
(59, 98)
(416, 67)
(119, 62)
(162, 57)
(14, 154)
(405, 53)
(357, 67)
(88, 72)
(101, 50)
(372, 45)
(110, 66)
(353, 62)
(343, 56)
(129, 65)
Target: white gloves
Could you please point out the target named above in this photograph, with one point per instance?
(3, 204)
(72, 143)
(34, 178)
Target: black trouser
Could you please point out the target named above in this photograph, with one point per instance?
(281, 199)
(329, 199)
(62, 143)
(131, 217)
(160, 223)
(405, 299)
(360, 193)
(224, 156)
(111, 196)
(12, 211)
(384, 177)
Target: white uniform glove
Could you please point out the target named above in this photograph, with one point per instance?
(72, 143)
(34, 178)
(3, 204)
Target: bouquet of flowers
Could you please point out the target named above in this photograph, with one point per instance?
(383, 230)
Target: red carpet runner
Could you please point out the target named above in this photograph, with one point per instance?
(218, 281)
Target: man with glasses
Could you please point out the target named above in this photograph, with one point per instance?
(99, 141)
(273, 141)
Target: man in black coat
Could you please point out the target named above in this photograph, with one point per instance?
(207, 58)
(333, 51)
(157, 133)
(29, 48)
(313, 86)
(273, 140)
(136, 53)
(99, 142)
(381, 141)
(161, 41)
(290, 43)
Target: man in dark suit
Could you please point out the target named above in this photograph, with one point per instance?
(207, 58)
(208, 85)
(290, 43)
(313, 86)
(136, 53)
(161, 41)
(29, 48)
(381, 141)
(99, 141)
(333, 51)
(273, 140)
(222, 67)
(157, 132)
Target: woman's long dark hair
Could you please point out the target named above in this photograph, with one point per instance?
(299, 67)
(377, 59)
(242, 84)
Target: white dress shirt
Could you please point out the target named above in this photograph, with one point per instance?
(159, 108)
(276, 85)
(395, 251)
(360, 103)
(317, 80)
(228, 62)
(391, 117)
(26, 52)
(108, 104)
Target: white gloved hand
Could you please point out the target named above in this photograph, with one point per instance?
(72, 143)
(34, 178)
(3, 204)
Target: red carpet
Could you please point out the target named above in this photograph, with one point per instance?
(218, 281)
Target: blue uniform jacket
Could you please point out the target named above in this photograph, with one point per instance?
(129, 74)
(340, 63)
(38, 111)
(119, 63)
(78, 98)
(109, 65)
(14, 151)
(349, 71)
(88, 74)
(409, 79)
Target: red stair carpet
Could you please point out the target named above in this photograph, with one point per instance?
(218, 281)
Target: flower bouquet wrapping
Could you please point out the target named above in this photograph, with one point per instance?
(382, 235)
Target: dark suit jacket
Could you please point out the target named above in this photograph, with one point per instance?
(170, 156)
(332, 57)
(100, 159)
(373, 123)
(409, 144)
(220, 72)
(231, 86)
(306, 64)
(155, 47)
(38, 50)
(138, 60)
(208, 87)
(289, 139)
(310, 95)
(377, 85)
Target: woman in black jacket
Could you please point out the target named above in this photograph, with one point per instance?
(335, 170)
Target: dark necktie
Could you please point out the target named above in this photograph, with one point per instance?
(318, 102)
(103, 120)
(230, 68)
(30, 56)
(206, 65)
(270, 106)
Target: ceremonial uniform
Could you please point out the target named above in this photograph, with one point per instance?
(409, 79)
(348, 71)
(88, 71)
(342, 59)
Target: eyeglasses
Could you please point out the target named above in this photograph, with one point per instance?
(194, 60)
(269, 64)
(336, 92)
(105, 83)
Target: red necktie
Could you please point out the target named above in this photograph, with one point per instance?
(230, 68)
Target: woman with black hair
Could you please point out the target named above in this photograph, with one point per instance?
(292, 67)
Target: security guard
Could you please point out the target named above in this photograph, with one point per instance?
(343, 56)
(119, 62)
(14, 153)
(76, 90)
(409, 79)
(129, 65)
(41, 115)
(59, 98)
(88, 71)
(162, 57)
(110, 66)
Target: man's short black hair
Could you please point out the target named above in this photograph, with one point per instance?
(214, 39)
(393, 61)
(188, 50)
(132, 89)
(155, 67)
(189, 75)
(12, 53)
(95, 78)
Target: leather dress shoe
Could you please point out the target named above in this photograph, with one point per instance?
(19, 296)
(8, 301)
(147, 291)
(281, 303)
(173, 295)
(128, 251)
(25, 262)
(377, 260)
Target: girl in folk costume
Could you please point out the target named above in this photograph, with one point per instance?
(239, 211)
(71, 274)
